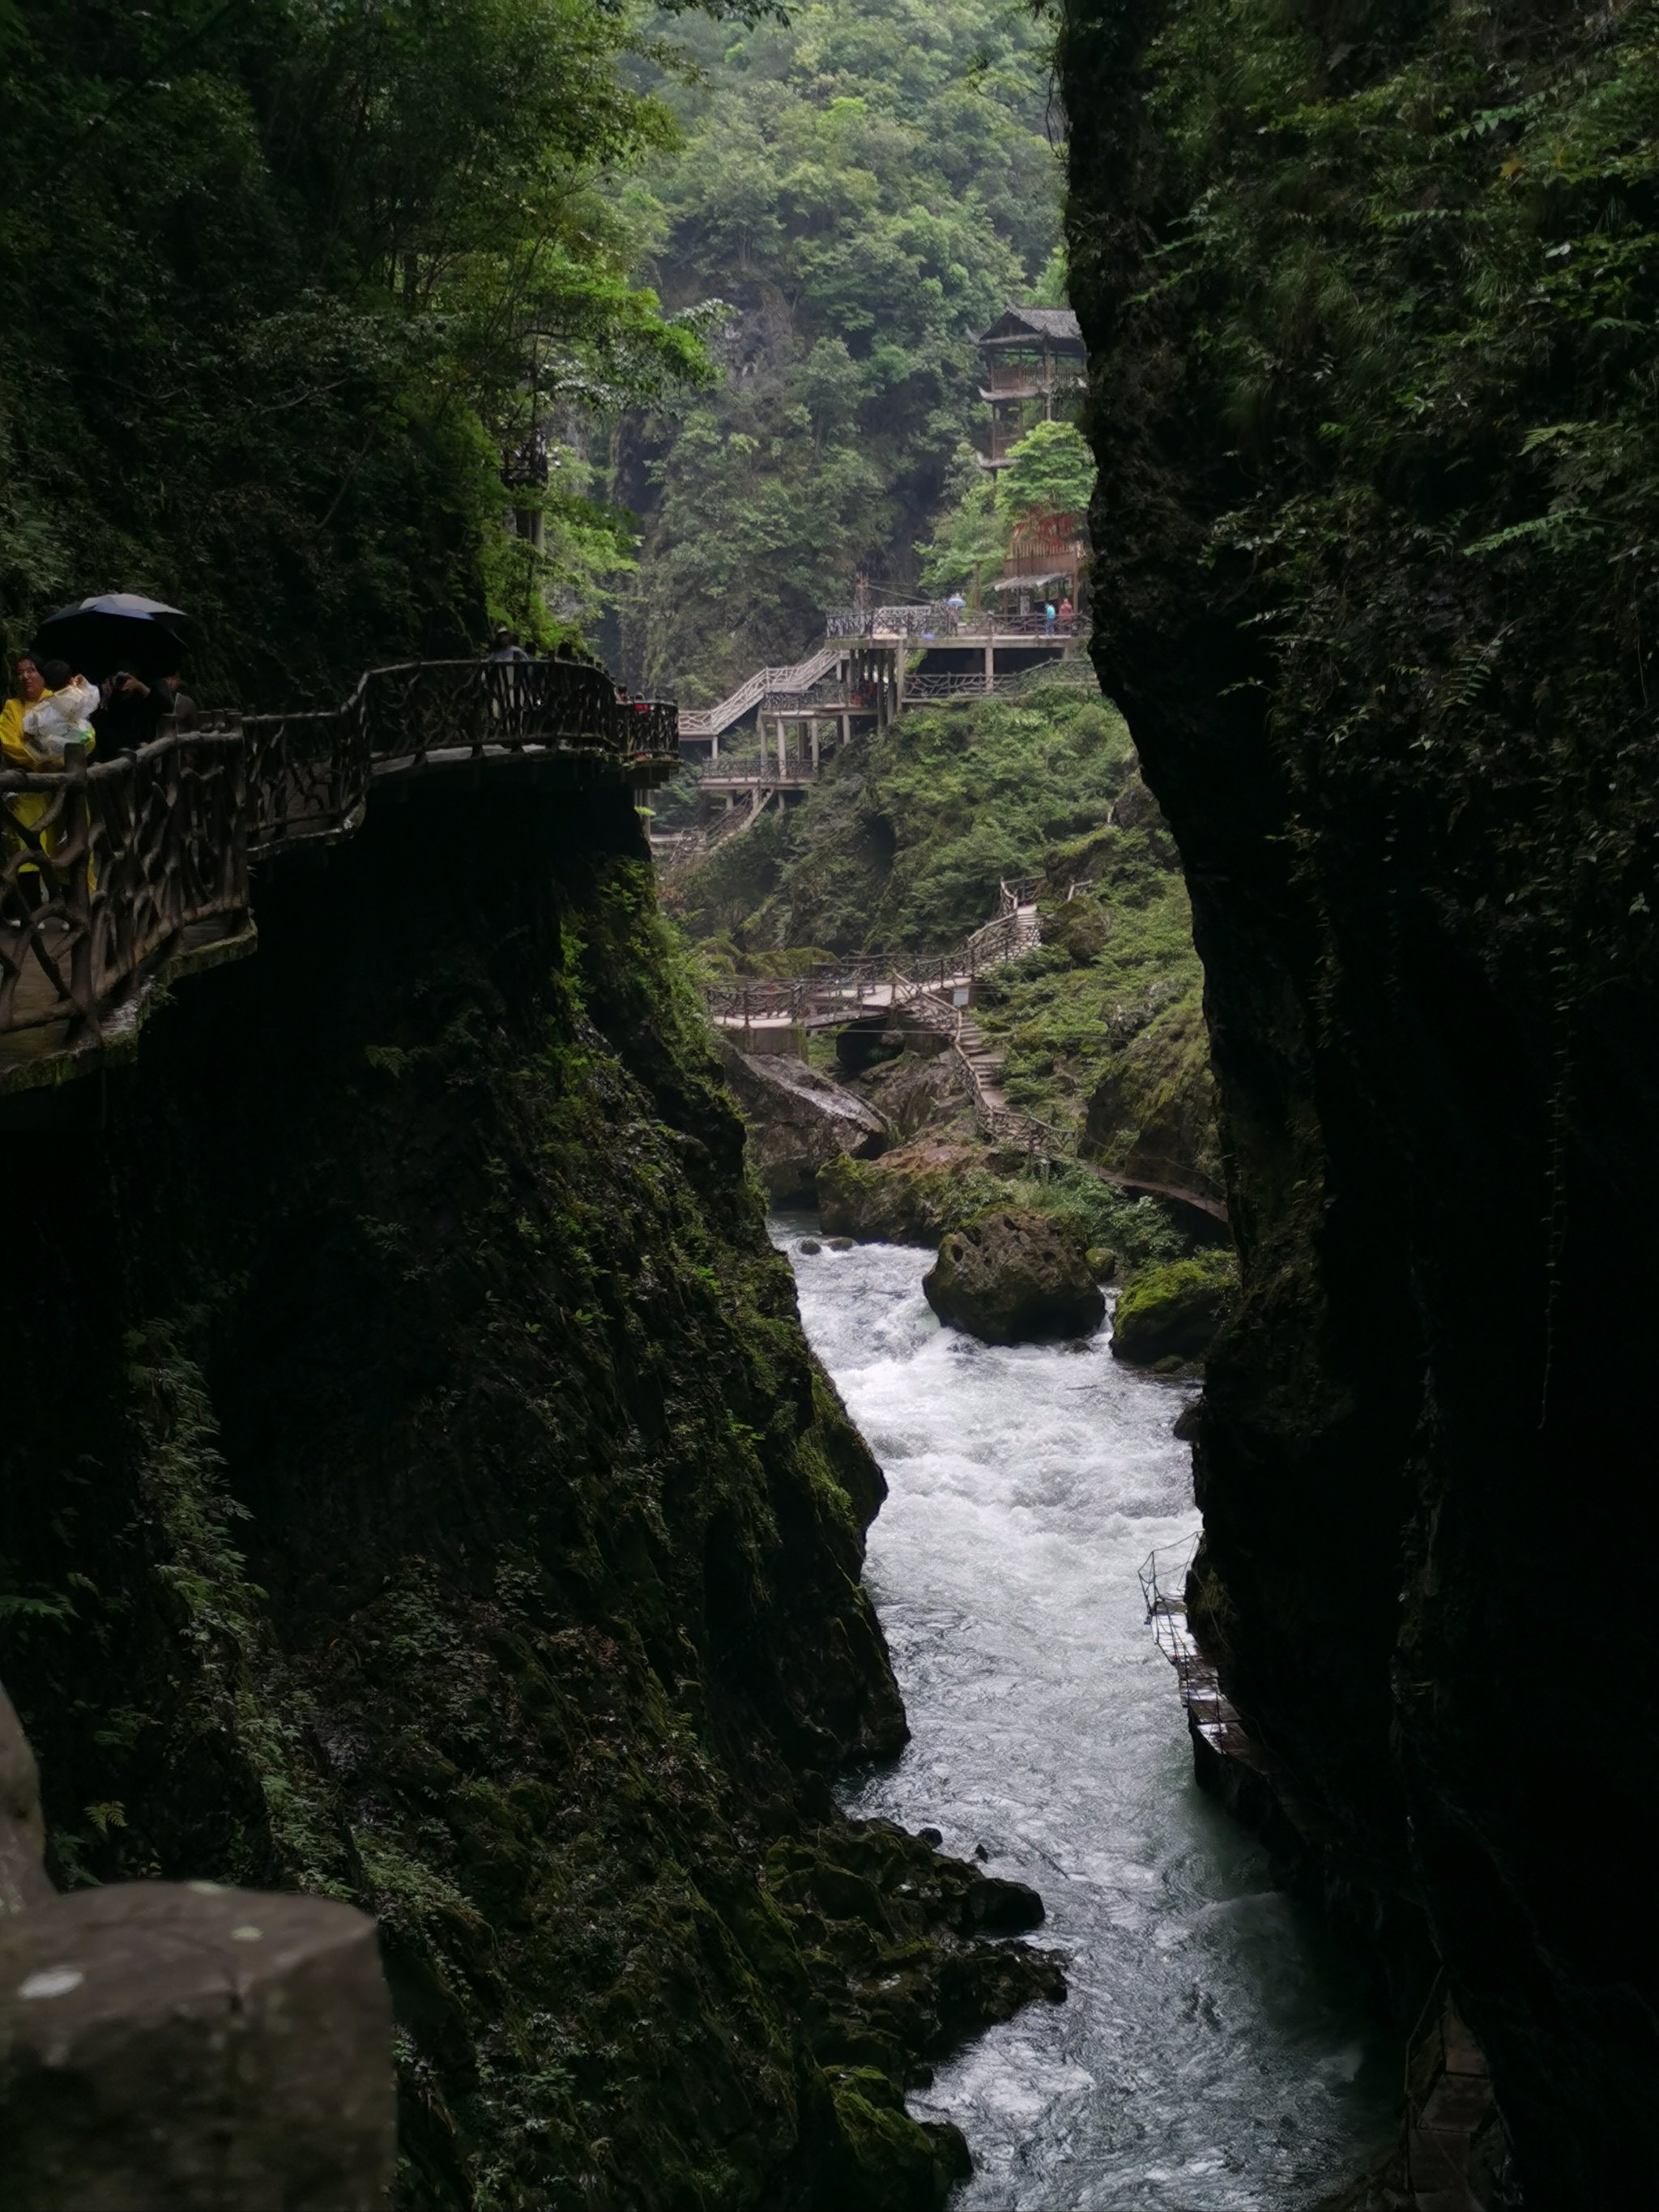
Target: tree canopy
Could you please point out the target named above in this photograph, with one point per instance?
(283, 281)
(865, 187)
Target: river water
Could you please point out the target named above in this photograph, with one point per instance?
(1214, 2051)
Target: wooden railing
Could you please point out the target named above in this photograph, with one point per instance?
(710, 721)
(938, 621)
(105, 867)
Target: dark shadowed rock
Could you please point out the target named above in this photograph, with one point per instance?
(1012, 1278)
(22, 1832)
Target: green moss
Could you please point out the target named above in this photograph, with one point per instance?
(914, 1195)
(1172, 1311)
(478, 1538)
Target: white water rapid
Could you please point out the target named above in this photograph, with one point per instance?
(1213, 2052)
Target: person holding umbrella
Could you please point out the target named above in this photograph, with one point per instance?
(132, 645)
(131, 711)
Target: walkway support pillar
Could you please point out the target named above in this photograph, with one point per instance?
(990, 667)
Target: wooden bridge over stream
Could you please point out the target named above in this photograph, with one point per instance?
(760, 1014)
(121, 875)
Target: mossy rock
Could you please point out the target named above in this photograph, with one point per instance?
(901, 2164)
(911, 1195)
(1015, 1277)
(1171, 1313)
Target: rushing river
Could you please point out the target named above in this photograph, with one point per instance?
(1214, 2051)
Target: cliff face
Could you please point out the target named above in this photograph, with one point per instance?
(1375, 594)
(417, 1487)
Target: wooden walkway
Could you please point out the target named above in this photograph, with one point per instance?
(118, 877)
(768, 1016)
(861, 676)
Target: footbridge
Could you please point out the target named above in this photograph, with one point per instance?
(118, 877)
(764, 1015)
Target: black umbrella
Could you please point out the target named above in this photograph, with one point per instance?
(119, 630)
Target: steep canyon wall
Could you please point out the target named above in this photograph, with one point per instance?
(418, 1488)
(1363, 289)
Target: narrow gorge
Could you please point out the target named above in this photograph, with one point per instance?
(827, 843)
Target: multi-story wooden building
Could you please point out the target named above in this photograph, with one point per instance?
(1033, 373)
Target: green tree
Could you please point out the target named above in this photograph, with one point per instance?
(283, 281)
(867, 186)
(1050, 472)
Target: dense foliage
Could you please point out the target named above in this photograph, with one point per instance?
(867, 188)
(1412, 271)
(1050, 470)
(281, 282)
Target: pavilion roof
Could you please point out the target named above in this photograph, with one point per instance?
(1017, 324)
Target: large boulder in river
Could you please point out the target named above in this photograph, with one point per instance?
(797, 1119)
(910, 1195)
(1011, 1278)
(1172, 1312)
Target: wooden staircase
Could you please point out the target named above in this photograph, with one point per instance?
(712, 721)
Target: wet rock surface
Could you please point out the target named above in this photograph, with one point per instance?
(797, 1118)
(908, 1196)
(1015, 1277)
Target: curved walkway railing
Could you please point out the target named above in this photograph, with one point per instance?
(105, 867)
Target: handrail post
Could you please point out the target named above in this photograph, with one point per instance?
(74, 886)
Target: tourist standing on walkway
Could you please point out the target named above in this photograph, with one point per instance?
(131, 709)
(23, 813)
(1068, 612)
(61, 717)
(505, 646)
(32, 689)
(1049, 618)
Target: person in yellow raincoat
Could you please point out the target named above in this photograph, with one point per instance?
(22, 810)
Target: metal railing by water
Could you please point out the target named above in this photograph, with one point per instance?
(939, 623)
(711, 722)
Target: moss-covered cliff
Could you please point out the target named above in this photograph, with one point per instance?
(1370, 293)
(417, 1487)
